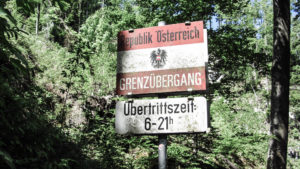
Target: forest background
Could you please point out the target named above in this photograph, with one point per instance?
(57, 84)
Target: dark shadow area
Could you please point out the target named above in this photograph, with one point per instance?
(28, 139)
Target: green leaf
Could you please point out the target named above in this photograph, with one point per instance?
(4, 13)
(7, 158)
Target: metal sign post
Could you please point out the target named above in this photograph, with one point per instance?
(162, 151)
(162, 139)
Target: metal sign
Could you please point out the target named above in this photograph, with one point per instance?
(162, 59)
(157, 116)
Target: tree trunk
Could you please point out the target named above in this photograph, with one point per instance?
(280, 85)
(37, 19)
(79, 15)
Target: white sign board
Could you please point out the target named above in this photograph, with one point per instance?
(156, 116)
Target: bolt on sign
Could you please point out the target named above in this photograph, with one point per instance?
(162, 59)
(162, 116)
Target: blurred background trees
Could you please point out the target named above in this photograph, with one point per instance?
(57, 80)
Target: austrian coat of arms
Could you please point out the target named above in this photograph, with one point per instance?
(158, 58)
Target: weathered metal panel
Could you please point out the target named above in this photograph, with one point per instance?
(159, 36)
(187, 79)
(157, 116)
(175, 57)
(161, 50)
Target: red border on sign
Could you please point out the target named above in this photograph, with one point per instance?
(171, 80)
(159, 36)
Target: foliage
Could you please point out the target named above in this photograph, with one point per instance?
(245, 139)
(58, 87)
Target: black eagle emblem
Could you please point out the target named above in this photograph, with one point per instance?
(158, 58)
